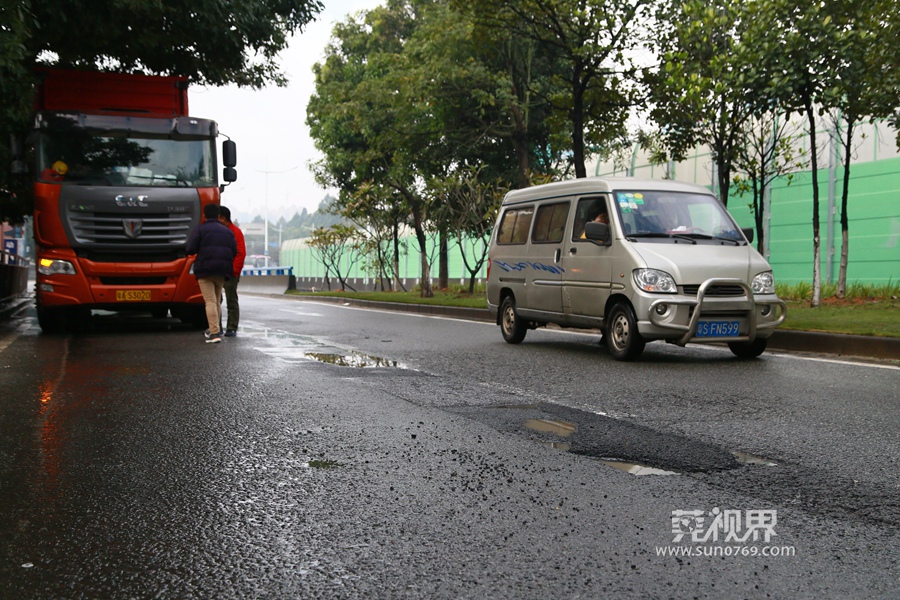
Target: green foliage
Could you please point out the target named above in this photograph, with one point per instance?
(208, 41)
(587, 41)
(338, 249)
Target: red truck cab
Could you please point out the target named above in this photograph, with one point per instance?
(121, 177)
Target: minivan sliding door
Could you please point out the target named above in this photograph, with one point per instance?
(545, 276)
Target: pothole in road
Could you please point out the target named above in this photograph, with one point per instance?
(617, 443)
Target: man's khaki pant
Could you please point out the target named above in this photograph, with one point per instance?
(211, 288)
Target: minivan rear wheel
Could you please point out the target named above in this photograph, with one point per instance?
(512, 326)
(622, 336)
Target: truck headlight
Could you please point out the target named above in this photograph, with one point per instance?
(654, 281)
(49, 266)
(764, 283)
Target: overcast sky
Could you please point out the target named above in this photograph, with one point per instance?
(269, 126)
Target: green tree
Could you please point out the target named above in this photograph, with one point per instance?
(591, 40)
(472, 205)
(768, 152)
(866, 85)
(796, 51)
(338, 249)
(488, 86)
(702, 93)
(207, 41)
(368, 123)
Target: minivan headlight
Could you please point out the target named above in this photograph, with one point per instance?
(49, 266)
(655, 281)
(764, 283)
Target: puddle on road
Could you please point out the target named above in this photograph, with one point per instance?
(354, 359)
(635, 468)
(560, 428)
(293, 348)
(749, 459)
(323, 464)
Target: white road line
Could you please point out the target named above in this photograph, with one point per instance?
(12, 337)
(771, 353)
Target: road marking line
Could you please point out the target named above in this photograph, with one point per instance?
(772, 353)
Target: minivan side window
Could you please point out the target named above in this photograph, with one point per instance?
(550, 223)
(588, 209)
(514, 225)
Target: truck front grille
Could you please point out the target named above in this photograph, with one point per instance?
(137, 230)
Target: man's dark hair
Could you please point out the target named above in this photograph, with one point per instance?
(211, 211)
(224, 211)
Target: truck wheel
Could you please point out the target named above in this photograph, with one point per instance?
(748, 349)
(622, 336)
(512, 326)
(50, 320)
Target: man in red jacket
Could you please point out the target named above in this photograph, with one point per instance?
(231, 295)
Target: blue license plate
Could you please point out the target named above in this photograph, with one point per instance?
(709, 329)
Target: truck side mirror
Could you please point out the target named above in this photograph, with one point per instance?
(229, 153)
(229, 159)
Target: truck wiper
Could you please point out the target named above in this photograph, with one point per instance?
(659, 234)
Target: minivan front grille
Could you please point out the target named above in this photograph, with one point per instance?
(721, 291)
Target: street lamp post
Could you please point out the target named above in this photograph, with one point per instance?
(267, 173)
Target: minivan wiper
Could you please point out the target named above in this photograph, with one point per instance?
(659, 234)
(706, 236)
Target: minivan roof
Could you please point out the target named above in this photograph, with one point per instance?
(588, 185)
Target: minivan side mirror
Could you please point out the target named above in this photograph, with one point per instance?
(597, 233)
(748, 233)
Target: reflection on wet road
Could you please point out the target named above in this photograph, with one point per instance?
(294, 348)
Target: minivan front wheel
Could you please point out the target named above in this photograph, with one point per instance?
(748, 349)
(622, 336)
(512, 326)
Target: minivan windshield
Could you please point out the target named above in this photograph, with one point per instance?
(666, 214)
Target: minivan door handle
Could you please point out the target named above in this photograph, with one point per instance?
(558, 254)
(573, 251)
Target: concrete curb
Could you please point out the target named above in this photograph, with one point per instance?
(862, 346)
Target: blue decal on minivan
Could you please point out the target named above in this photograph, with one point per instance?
(526, 265)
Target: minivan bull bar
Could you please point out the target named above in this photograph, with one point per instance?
(749, 306)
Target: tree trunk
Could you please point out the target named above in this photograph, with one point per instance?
(396, 240)
(577, 118)
(845, 222)
(443, 262)
(758, 209)
(426, 290)
(814, 165)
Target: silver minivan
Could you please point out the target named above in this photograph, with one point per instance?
(638, 259)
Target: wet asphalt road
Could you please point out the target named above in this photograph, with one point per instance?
(332, 452)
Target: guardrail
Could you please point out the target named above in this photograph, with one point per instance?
(13, 275)
(267, 280)
(267, 271)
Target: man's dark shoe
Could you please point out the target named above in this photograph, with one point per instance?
(230, 333)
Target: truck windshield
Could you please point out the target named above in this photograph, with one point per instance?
(651, 214)
(80, 157)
